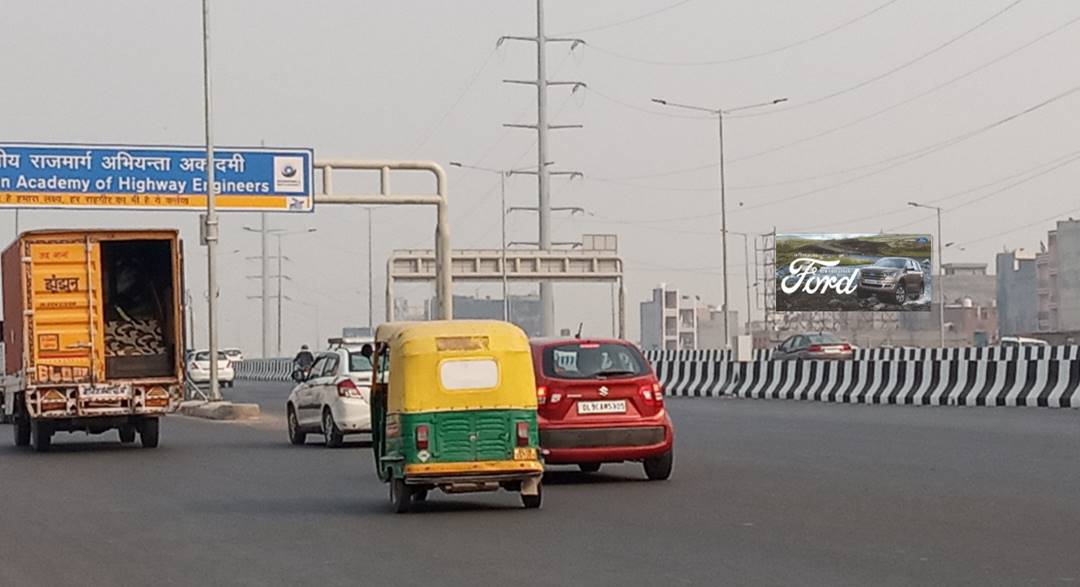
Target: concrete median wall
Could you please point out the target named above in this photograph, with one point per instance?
(952, 381)
(989, 376)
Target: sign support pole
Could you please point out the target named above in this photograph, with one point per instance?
(211, 219)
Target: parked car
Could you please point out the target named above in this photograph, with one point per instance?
(893, 279)
(1018, 341)
(235, 355)
(815, 345)
(600, 402)
(334, 399)
(198, 368)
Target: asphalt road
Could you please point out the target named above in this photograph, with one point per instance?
(764, 493)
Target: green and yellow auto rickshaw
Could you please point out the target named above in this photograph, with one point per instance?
(453, 407)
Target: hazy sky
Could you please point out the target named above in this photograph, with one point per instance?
(422, 80)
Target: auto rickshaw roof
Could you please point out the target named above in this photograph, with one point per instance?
(403, 332)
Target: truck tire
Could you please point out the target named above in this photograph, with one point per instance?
(22, 430)
(40, 435)
(150, 432)
(127, 434)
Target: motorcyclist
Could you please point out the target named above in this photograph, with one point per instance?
(304, 359)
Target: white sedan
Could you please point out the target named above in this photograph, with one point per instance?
(333, 400)
(198, 368)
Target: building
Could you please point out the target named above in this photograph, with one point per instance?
(524, 311)
(710, 334)
(669, 320)
(1057, 280)
(1017, 297)
(672, 320)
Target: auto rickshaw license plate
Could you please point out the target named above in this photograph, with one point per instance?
(524, 454)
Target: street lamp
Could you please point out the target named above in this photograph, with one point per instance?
(941, 271)
(503, 174)
(746, 268)
(719, 113)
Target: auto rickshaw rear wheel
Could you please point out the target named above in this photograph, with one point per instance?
(532, 502)
(400, 495)
(419, 494)
(589, 467)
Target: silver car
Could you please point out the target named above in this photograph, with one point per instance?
(819, 345)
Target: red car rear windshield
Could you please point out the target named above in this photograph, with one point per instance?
(592, 361)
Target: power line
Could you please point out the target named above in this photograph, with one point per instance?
(887, 73)
(430, 132)
(899, 159)
(627, 20)
(1073, 155)
(624, 104)
(1019, 228)
(895, 105)
(997, 191)
(757, 55)
(711, 165)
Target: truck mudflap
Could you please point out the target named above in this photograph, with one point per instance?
(113, 399)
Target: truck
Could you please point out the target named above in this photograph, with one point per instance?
(93, 333)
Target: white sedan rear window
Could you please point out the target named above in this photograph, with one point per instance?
(469, 374)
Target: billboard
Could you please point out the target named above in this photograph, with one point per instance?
(154, 178)
(853, 273)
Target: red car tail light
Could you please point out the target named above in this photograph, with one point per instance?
(522, 433)
(422, 437)
(541, 395)
(814, 348)
(348, 389)
(845, 347)
(653, 394)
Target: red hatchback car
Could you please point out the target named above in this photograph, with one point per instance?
(600, 402)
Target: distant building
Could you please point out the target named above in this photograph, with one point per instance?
(672, 320)
(524, 311)
(1017, 298)
(710, 322)
(669, 320)
(1057, 270)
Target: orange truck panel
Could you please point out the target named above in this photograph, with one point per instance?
(66, 328)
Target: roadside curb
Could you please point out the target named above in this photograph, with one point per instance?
(220, 410)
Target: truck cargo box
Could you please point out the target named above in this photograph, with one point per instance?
(93, 321)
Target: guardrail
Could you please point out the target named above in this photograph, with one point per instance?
(264, 369)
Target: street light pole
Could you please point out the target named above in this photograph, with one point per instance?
(940, 285)
(370, 279)
(502, 245)
(719, 113)
(503, 174)
(211, 221)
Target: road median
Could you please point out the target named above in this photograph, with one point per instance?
(220, 410)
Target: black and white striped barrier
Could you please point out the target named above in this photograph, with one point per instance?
(956, 381)
(1025, 376)
(264, 369)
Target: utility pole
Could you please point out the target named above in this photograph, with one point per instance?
(547, 297)
(279, 292)
(264, 236)
(210, 228)
(939, 284)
